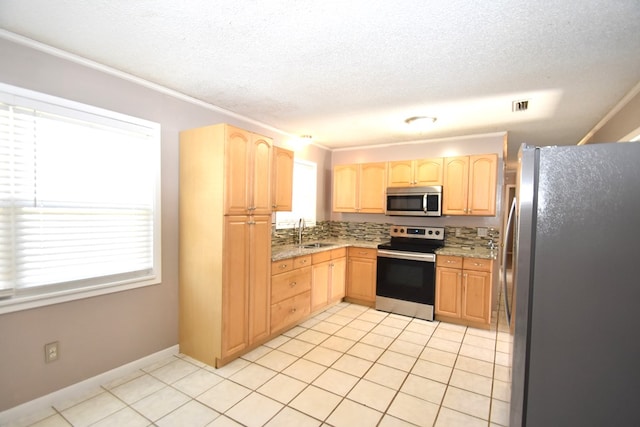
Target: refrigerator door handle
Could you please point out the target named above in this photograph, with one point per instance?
(508, 233)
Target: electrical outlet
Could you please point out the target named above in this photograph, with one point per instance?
(482, 232)
(458, 232)
(51, 352)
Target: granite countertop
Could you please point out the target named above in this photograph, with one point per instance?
(468, 251)
(290, 251)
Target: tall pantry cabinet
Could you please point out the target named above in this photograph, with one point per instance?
(225, 241)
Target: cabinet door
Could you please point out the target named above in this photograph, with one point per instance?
(372, 183)
(428, 171)
(237, 171)
(259, 276)
(400, 174)
(235, 289)
(282, 179)
(483, 171)
(448, 291)
(456, 183)
(320, 279)
(337, 284)
(361, 281)
(345, 188)
(260, 166)
(476, 296)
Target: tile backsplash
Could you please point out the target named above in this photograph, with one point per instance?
(377, 232)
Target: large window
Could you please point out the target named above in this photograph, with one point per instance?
(79, 200)
(304, 196)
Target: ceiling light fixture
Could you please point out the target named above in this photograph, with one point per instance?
(421, 120)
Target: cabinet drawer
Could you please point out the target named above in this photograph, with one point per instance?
(290, 311)
(363, 253)
(302, 261)
(338, 253)
(477, 264)
(281, 266)
(319, 257)
(291, 283)
(449, 261)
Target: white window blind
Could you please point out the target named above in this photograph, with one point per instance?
(79, 197)
(304, 196)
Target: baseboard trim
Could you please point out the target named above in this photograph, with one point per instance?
(78, 389)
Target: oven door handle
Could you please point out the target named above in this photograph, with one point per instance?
(411, 256)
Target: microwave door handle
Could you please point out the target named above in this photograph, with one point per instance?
(424, 203)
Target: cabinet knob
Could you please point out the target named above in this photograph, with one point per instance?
(292, 284)
(283, 266)
(293, 310)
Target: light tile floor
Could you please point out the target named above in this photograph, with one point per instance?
(347, 366)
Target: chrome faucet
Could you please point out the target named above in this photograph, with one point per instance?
(300, 230)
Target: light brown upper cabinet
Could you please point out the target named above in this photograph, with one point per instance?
(421, 172)
(469, 185)
(248, 161)
(359, 187)
(282, 192)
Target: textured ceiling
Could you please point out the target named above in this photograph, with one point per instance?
(350, 72)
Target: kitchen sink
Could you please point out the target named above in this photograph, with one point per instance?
(317, 245)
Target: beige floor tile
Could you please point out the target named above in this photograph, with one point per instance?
(467, 402)
(254, 410)
(420, 326)
(471, 382)
(352, 365)
(323, 356)
(294, 332)
(387, 331)
(276, 360)
(501, 390)
(424, 388)
(452, 327)
(489, 343)
(350, 333)
(450, 418)
(316, 402)
(434, 371)
(253, 376)
(312, 337)
(339, 320)
(373, 316)
(502, 373)
(372, 395)
(362, 325)
(93, 410)
(277, 341)
(444, 344)
(230, 368)
(439, 356)
(55, 420)
(397, 360)
(282, 388)
(349, 414)
(138, 388)
(192, 413)
(477, 353)
(304, 370)
(291, 418)
(386, 376)
(159, 363)
(73, 401)
(475, 366)
(337, 343)
(365, 351)
(257, 353)
(485, 333)
(326, 327)
(502, 359)
(125, 379)
(223, 396)
(405, 347)
(295, 347)
(500, 412)
(389, 421)
(223, 421)
(414, 410)
(503, 347)
(418, 338)
(396, 321)
(377, 340)
(172, 372)
(336, 381)
(124, 417)
(197, 382)
(160, 403)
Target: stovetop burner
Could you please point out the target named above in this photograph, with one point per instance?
(414, 239)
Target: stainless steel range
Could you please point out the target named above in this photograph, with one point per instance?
(406, 271)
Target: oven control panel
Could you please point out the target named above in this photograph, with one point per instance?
(416, 232)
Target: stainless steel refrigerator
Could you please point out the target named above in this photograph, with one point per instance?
(575, 303)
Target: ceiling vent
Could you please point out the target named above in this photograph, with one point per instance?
(522, 105)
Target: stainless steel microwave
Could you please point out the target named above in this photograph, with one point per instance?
(414, 201)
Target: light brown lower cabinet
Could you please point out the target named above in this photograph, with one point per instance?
(290, 291)
(463, 290)
(361, 276)
(328, 277)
